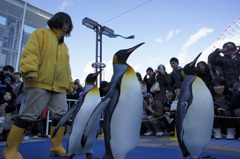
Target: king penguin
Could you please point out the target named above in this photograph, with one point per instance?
(122, 109)
(195, 113)
(81, 112)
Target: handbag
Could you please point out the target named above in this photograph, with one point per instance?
(7, 125)
(155, 87)
(6, 121)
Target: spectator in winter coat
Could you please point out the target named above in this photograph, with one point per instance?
(222, 107)
(176, 74)
(6, 79)
(164, 80)
(229, 63)
(149, 73)
(203, 72)
(153, 109)
(8, 113)
(235, 106)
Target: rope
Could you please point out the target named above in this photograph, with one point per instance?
(127, 11)
(156, 118)
(227, 117)
(216, 116)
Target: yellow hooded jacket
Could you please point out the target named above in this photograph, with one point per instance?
(46, 60)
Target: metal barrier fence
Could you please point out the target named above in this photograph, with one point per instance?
(49, 120)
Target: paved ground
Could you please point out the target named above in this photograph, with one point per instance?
(223, 146)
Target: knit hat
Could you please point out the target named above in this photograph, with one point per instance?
(149, 69)
(147, 95)
(75, 83)
(177, 84)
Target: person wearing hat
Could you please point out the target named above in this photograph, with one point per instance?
(149, 73)
(152, 109)
(177, 88)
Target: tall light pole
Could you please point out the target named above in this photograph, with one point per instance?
(99, 31)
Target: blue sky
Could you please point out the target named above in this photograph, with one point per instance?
(172, 28)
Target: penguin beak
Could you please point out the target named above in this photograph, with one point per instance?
(192, 64)
(97, 73)
(129, 51)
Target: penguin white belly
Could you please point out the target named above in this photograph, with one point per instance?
(198, 121)
(126, 119)
(79, 123)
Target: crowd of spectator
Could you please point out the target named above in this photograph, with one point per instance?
(221, 75)
(12, 102)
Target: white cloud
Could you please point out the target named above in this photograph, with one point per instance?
(65, 4)
(108, 70)
(177, 31)
(159, 40)
(197, 36)
(171, 33)
(183, 57)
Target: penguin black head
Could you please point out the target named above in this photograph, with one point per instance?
(189, 69)
(122, 55)
(91, 78)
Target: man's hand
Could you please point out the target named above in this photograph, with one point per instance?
(31, 79)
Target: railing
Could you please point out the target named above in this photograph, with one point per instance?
(69, 101)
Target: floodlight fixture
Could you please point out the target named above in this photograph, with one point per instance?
(100, 30)
(107, 30)
(90, 23)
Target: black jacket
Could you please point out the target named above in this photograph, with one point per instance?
(230, 67)
(176, 76)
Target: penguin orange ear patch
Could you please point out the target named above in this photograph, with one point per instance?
(115, 59)
(183, 73)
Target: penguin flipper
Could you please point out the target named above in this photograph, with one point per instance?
(101, 106)
(65, 118)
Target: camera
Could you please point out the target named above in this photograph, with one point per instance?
(161, 68)
(147, 100)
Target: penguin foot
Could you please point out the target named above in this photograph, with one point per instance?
(90, 156)
(70, 157)
(56, 155)
(207, 157)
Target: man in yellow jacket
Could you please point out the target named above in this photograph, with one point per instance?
(45, 69)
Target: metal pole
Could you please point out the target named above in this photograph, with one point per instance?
(100, 52)
(97, 30)
(20, 38)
